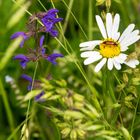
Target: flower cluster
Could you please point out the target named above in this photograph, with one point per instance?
(35, 55)
(49, 20)
(112, 46)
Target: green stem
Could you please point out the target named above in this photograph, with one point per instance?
(110, 86)
(7, 107)
(134, 116)
(29, 103)
(90, 17)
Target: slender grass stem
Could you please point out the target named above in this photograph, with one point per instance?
(7, 108)
(42, 5)
(29, 102)
(90, 17)
(133, 121)
(75, 20)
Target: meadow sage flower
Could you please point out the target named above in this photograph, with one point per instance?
(49, 20)
(37, 54)
(23, 60)
(111, 49)
(24, 36)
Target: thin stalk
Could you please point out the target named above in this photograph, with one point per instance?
(29, 102)
(110, 85)
(90, 17)
(75, 20)
(133, 121)
(7, 107)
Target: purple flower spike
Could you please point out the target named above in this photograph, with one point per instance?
(37, 98)
(23, 60)
(49, 20)
(22, 34)
(52, 58)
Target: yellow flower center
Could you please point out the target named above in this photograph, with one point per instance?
(109, 48)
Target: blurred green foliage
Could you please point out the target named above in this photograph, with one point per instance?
(70, 109)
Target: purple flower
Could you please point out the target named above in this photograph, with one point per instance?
(28, 78)
(29, 87)
(41, 40)
(52, 58)
(25, 36)
(49, 20)
(41, 44)
(23, 60)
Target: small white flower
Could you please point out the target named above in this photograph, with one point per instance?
(112, 46)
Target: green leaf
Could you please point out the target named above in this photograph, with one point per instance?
(18, 15)
(9, 52)
(126, 134)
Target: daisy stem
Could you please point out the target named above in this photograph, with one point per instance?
(7, 107)
(110, 86)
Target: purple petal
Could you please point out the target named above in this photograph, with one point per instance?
(21, 57)
(26, 77)
(22, 34)
(22, 43)
(24, 60)
(23, 64)
(54, 33)
(43, 51)
(58, 20)
(52, 58)
(17, 34)
(37, 98)
(48, 24)
(42, 40)
(52, 11)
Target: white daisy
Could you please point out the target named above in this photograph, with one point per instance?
(112, 46)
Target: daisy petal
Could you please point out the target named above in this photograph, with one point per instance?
(92, 59)
(110, 64)
(124, 47)
(101, 26)
(90, 43)
(116, 64)
(89, 54)
(128, 37)
(115, 26)
(132, 63)
(116, 36)
(109, 24)
(100, 64)
(120, 58)
(127, 31)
